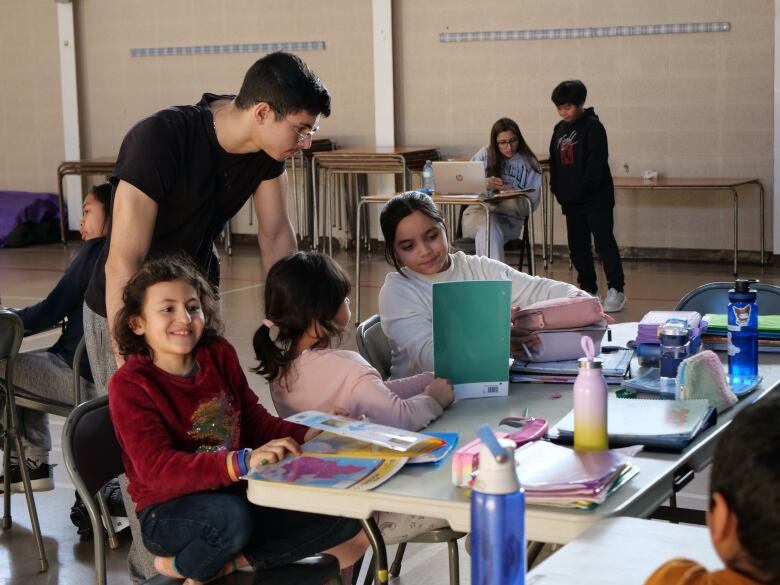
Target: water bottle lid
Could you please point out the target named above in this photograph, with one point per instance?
(742, 285)
(589, 363)
(497, 477)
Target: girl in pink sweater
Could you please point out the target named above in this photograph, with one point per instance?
(306, 306)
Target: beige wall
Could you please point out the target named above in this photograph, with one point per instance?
(118, 89)
(687, 105)
(31, 142)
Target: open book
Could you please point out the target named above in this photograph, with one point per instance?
(351, 454)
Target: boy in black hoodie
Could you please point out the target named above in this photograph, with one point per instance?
(582, 184)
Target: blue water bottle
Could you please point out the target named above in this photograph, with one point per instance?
(427, 178)
(742, 332)
(497, 518)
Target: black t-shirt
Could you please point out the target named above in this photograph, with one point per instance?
(174, 157)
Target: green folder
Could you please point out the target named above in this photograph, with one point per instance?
(471, 336)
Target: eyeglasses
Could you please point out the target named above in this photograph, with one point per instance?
(502, 143)
(303, 134)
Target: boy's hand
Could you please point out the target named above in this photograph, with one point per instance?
(273, 451)
(441, 391)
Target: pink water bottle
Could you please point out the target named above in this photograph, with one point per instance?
(590, 403)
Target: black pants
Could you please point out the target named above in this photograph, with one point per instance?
(579, 228)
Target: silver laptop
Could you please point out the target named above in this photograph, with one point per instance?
(459, 177)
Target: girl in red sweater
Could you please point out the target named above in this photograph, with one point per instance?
(190, 426)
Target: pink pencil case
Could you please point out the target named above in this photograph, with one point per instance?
(466, 459)
(564, 313)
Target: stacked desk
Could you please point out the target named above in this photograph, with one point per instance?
(428, 490)
(97, 166)
(302, 200)
(352, 162)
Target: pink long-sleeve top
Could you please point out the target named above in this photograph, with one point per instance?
(321, 379)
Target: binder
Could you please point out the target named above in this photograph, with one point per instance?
(471, 336)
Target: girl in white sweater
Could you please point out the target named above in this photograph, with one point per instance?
(416, 244)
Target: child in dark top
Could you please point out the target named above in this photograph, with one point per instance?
(744, 514)
(49, 373)
(582, 184)
(190, 426)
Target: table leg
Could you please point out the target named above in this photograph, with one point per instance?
(487, 228)
(761, 216)
(315, 204)
(545, 204)
(378, 546)
(63, 237)
(736, 227)
(357, 262)
(531, 255)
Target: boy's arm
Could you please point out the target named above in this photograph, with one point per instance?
(275, 234)
(596, 160)
(133, 219)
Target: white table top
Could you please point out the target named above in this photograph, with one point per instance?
(428, 489)
(624, 551)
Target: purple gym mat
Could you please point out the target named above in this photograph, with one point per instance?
(23, 206)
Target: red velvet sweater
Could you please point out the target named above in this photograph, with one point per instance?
(176, 432)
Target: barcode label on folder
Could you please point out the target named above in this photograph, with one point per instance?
(493, 389)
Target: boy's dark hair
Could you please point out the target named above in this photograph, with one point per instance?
(285, 83)
(399, 207)
(572, 92)
(495, 158)
(163, 269)
(300, 289)
(746, 472)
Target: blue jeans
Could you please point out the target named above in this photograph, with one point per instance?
(206, 530)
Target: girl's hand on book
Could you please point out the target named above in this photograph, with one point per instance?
(273, 451)
(441, 391)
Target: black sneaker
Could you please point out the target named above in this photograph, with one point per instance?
(80, 518)
(41, 477)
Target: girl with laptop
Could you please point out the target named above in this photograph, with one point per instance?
(416, 244)
(509, 165)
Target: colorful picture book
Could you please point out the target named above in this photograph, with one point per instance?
(329, 444)
(661, 424)
(331, 471)
(409, 443)
(471, 336)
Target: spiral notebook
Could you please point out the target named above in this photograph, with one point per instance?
(661, 424)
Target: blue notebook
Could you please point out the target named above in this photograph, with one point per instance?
(471, 336)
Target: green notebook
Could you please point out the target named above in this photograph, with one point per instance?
(471, 336)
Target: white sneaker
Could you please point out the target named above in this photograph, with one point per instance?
(614, 301)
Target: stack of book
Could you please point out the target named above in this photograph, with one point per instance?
(768, 332)
(668, 425)
(615, 367)
(553, 475)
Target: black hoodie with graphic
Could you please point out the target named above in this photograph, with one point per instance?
(579, 170)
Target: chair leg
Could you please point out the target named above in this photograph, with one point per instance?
(6, 476)
(452, 546)
(113, 541)
(43, 564)
(370, 572)
(395, 568)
